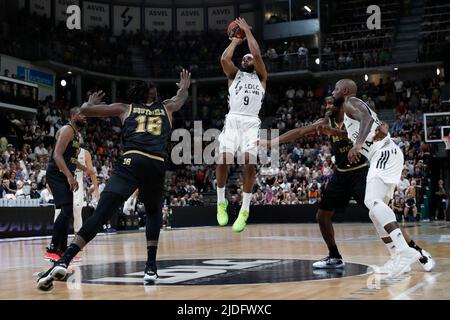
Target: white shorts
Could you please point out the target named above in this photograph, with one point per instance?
(240, 134)
(387, 164)
(78, 196)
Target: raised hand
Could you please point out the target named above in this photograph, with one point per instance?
(185, 80)
(96, 98)
(243, 24)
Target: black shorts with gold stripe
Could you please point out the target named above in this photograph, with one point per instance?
(344, 185)
(138, 170)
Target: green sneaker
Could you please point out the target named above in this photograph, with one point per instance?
(241, 221)
(222, 215)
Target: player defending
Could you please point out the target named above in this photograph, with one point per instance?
(385, 168)
(349, 180)
(146, 130)
(246, 88)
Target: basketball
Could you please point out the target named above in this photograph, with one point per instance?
(233, 30)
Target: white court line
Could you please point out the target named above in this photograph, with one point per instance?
(429, 280)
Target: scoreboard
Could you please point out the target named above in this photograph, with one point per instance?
(18, 93)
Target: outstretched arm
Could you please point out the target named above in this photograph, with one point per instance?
(293, 134)
(226, 60)
(95, 108)
(358, 111)
(260, 67)
(297, 133)
(175, 103)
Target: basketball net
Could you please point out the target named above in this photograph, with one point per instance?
(446, 140)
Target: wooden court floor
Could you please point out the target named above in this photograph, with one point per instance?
(264, 262)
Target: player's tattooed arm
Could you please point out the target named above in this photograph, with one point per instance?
(226, 60)
(358, 111)
(64, 136)
(260, 67)
(95, 108)
(175, 103)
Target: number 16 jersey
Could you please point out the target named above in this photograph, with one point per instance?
(246, 94)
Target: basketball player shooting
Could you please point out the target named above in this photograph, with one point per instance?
(385, 168)
(246, 88)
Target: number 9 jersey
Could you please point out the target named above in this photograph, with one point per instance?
(246, 94)
(147, 129)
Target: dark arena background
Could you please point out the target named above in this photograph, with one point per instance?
(53, 53)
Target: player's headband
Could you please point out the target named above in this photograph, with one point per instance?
(249, 55)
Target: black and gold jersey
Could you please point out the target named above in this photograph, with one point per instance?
(70, 155)
(340, 147)
(147, 129)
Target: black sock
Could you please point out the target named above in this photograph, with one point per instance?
(413, 245)
(70, 253)
(151, 254)
(334, 252)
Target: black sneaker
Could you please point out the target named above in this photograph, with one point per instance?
(57, 272)
(150, 273)
(329, 263)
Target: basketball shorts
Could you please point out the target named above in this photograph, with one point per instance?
(342, 187)
(138, 170)
(387, 164)
(240, 134)
(60, 187)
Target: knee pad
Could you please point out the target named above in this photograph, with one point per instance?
(372, 216)
(371, 203)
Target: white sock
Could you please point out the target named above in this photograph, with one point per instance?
(246, 201)
(398, 240)
(391, 247)
(220, 195)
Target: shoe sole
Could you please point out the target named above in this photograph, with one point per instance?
(148, 278)
(238, 230)
(407, 267)
(46, 284)
(433, 265)
(222, 224)
(329, 267)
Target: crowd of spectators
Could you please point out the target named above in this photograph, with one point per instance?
(305, 166)
(435, 30)
(343, 46)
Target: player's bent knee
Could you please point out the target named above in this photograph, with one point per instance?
(371, 202)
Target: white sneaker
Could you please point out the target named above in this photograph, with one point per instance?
(427, 261)
(402, 261)
(329, 263)
(387, 267)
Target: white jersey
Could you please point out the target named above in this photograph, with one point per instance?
(246, 94)
(79, 174)
(369, 146)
